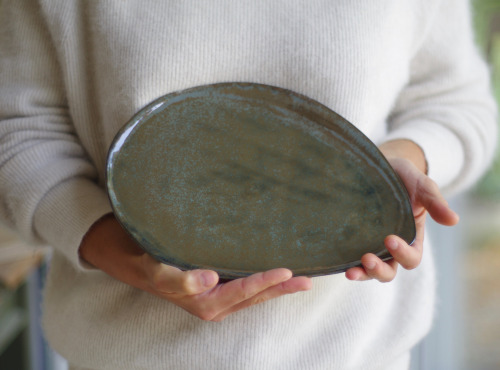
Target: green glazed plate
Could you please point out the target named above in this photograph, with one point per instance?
(241, 178)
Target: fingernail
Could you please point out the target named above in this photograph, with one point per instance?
(370, 265)
(392, 244)
(208, 278)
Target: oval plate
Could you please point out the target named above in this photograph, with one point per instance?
(241, 178)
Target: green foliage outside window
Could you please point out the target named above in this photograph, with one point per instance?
(487, 24)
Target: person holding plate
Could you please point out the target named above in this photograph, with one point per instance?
(72, 73)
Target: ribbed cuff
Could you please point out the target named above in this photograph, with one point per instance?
(67, 212)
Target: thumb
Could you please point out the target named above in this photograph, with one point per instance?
(165, 279)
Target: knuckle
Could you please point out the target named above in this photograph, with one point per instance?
(247, 289)
(257, 300)
(383, 273)
(430, 187)
(428, 182)
(185, 284)
(374, 274)
(412, 264)
(409, 257)
(386, 279)
(163, 282)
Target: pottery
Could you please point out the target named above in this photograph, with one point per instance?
(241, 178)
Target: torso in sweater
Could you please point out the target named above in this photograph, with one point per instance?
(367, 60)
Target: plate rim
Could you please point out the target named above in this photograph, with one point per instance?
(331, 123)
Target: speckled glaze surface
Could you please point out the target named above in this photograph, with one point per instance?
(241, 178)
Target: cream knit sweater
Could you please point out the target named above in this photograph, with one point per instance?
(73, 72)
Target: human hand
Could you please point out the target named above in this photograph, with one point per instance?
(407, 160)
(108, 247)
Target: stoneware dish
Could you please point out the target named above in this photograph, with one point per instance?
(241, 178)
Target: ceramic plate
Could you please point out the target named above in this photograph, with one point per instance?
(241, 178)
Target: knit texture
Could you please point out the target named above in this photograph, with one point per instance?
(73, 72)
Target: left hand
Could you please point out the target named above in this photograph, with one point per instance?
(408, 161)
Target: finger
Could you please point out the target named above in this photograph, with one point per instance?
(433, 201)
(373, 268)
(357, 274)
(377, 269)
(407, 256)
(165, 279)
(211, 304)
(294, 285)
(236, 291)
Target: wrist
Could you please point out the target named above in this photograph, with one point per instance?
(406, 149)
(88, 243)
(109, 248)
(104, 238)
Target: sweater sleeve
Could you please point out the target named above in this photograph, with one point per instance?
(447, 107)
(48, 185)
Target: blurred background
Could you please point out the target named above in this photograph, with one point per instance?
(480, 260)
(466, 333)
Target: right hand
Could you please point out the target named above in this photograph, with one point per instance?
(109, 248)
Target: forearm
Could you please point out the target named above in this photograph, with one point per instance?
(49, 190)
